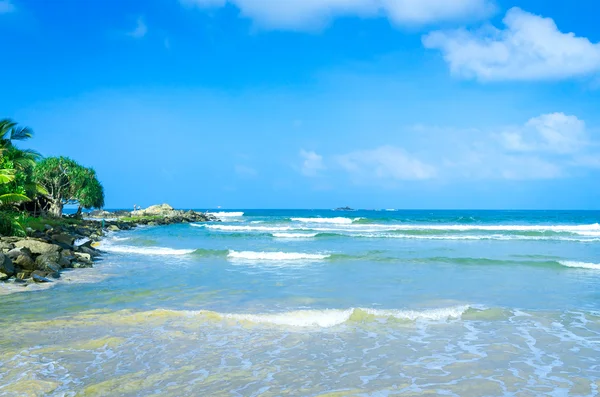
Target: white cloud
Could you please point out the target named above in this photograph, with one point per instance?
(312, 163)
(245, 172)
(6, 6)
(554, 133)
(140, 30)
(385, 162)
(529, 48)
(308, 14)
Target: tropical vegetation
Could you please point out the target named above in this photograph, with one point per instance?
(33, 185)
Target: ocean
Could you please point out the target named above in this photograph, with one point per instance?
(320, 303)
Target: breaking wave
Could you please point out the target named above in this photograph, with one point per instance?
(275, 256)
(581, 265)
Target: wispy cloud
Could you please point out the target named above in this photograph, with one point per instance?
(385, 163)
(529, 48)
(312, 163)
(245, 171)
(549, 146)
(6, 6)
(140, 30)
(311, 14)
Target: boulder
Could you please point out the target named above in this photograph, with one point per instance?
(16, 252)
(80, 265)
(23, 275)
(83, 257)
(6, 265)
(37, 247)
(64, 238)
(25, 262)
(4, 276)
(161, 209)
(113, 228)
(90, 251)
(40, 277)
(5, 246)
(46, 258)
(64, 261)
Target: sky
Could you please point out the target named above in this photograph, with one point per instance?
(417, 104)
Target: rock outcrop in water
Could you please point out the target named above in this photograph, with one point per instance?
(42, 255)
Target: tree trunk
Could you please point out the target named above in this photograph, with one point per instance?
(56, 208)
(78, 214)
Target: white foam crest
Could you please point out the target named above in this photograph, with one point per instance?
(581, 265)
(235, 228)
(224, 214)
(331, 317)
(128, 249)
(338, 220)
(294, 235)
(275, 256)
(430, 314)
(474, 237)
(301, 318)
(592, 229)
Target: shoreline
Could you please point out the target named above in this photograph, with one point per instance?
(68, 243)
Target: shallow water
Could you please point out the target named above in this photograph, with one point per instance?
(310, 303)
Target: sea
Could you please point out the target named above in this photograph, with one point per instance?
(319, 303)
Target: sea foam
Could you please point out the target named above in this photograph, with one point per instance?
(581, 265)
(337, 221)
(332, 317)
(128, 249)
(294, 235)
(275, 256)
(223, 214)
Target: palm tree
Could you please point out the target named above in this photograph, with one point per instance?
(10, 131)
(16, 161)
(7, 176)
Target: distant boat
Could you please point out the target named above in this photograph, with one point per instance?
(344, 209)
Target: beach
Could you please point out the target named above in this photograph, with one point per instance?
(312, 303)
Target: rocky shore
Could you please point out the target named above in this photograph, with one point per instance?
(43, 254)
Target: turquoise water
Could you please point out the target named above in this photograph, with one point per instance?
(305, 303)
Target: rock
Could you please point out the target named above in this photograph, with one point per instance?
(5, 246)
(37, 247)
(90, 251)
(160, 209)
(45, 258)
(83, 257)
(16, 252)
(80, 265)
(40, 277)
(4, 276)
(23, 275)
(64, 238)
(82, 242)
(113, 228)
(65, 261)
(6, 265)
(25, 262)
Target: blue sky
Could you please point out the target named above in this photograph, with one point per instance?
(314, 103)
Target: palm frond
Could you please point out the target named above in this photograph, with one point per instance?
(6, 125)
(7, 176)
(12, 198)
(20, 133)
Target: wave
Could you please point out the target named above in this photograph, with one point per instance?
(224, 214)
(337, 221)
(294, 235)
(128, 249)
(581, 265)
(333, 317)
(275, 256)
(361, 228)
